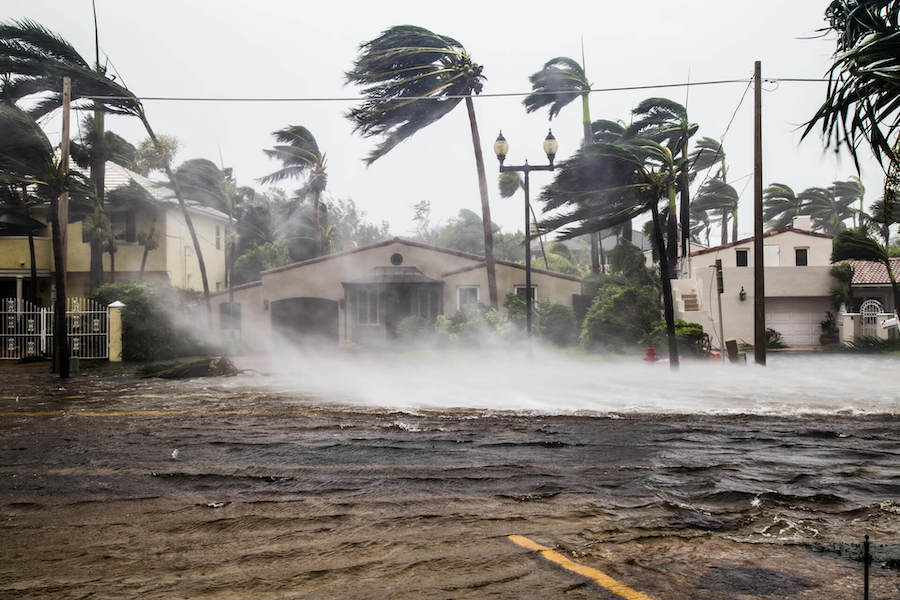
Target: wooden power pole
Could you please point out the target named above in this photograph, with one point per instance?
(759, 283)
(60, 241)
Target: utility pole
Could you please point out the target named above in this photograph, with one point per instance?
(60, 240)
(759, 284)
(720, 289)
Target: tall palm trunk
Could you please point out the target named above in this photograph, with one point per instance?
(668, 303)
(734, 223)
(588, 139)
(485, 207)
(98, 177)
(32, 288)
(318, 227)
(684, 217)
(725, 215)
(672, 236)
(187, 217)
(150, 235)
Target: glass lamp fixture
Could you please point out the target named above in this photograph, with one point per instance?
(550, 146)
(501, 148)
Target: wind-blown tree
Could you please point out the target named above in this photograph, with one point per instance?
(603, 185)
(510, 183)
(412, 77)
(862, 102)
(36, 60)
(780, 205)
(828, 212)
(883, 213)
(666, 122)
(708, 153)
(856, 244)
(720, 198)
(558, 83)
(300, 156)
(852, 190)
(15, 215)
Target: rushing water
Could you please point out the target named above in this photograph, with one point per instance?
(409, 468)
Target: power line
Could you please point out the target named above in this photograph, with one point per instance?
(687, 84)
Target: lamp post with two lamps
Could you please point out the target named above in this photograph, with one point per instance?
(501, 148)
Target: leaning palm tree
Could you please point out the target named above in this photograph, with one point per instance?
(666, 122)
(412, 77)
(853, 191)
(781, 205)
(558, 83)
(862, 102)
(720, 198)
(828, 212)
(604, 185)
(300, 157)
(856, 244)
(36, 60)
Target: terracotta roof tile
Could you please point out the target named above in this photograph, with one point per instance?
(867, 272)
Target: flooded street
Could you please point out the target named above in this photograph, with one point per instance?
(262, 486)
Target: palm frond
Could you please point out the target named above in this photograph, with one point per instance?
(560, 81)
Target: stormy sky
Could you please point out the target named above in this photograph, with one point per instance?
(290, 49)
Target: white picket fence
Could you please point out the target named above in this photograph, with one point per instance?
(26, 329)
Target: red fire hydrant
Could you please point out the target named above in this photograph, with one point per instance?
(651, 355)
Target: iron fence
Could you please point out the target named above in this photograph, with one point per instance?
(27, 329)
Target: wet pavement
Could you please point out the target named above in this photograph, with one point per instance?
(116, 487)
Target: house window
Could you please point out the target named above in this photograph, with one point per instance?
(130, 226)
(466, 294)
(124, 226)
(801, 257)
(218, 238)
(520, 292)
(230, 315)
(742, 257)
(366, 307)
(426, 303)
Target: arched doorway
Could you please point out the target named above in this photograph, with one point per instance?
(303, 321)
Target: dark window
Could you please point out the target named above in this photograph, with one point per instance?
(230, 315)
(130, 226)
(366, 307)
(396, 259)
(520, 292)
(801, 257)
(742, 257)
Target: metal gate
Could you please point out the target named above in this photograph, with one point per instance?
(26, 329)
(868, 318)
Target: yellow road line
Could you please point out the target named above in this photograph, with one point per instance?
(598, 577)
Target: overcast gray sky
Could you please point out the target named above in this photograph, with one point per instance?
(302, 49)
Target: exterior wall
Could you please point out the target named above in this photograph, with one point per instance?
(14, 254)
(181, 261)
(256, 321)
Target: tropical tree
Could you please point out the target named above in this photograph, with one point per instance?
(412, 77)
(605, 184)
(720, 198)
(666, 122)
(828, 212)
(853, 191)
(781, 205)
(300, 156)
(558, 83)
(862, 102)
(36, 60)
(857, 245)
(511, 182)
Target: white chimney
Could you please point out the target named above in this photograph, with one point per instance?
(802, 222)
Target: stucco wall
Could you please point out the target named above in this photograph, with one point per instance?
(181, 261)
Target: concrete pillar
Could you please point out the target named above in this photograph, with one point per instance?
(115, 339)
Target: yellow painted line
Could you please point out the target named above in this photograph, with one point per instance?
(598, 577)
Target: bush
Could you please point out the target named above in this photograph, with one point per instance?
(250, 264)
(472, 323)
(413, 328)
(556, 323)
(148, 320)
(622, 314)
(690, 336)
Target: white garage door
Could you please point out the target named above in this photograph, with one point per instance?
(797, 319)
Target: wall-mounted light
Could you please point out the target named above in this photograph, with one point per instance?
(266, 303)
(742, 294)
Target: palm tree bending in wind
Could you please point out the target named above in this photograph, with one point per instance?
(412, 77)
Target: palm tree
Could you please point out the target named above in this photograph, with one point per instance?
(666, 122)
(300, 156)
(856, 244)
(781, 205)
(862, 103)
(604, 185)
(716, 196)
(412, 77)
(828, 212)
(35, 60)
(558, 83)
(708, 153)
(509, 184)
(852, 190)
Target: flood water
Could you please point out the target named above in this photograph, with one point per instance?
(401, 476)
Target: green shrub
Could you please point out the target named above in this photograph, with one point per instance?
(621, 316)
(690, 336)
(149, 331)
(556, 323)
(413, 328)
(473, 323)
(250, 264)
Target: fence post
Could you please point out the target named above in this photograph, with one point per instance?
(115, 340)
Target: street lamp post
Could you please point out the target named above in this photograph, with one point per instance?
(501, 148)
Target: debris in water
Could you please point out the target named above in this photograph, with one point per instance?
(175, 454)
(209, 366)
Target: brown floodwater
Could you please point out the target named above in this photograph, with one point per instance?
(112, 487)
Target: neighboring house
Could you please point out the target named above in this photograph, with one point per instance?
(173, 260)
(871, 282)
(873, 311)
(798, 286)
(360, 295)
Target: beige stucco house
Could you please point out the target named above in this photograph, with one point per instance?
(798, 286)
(173, 261)
(359, 296)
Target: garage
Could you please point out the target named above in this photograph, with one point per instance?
(797, 319)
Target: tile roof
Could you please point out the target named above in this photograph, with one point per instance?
(868, 272)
